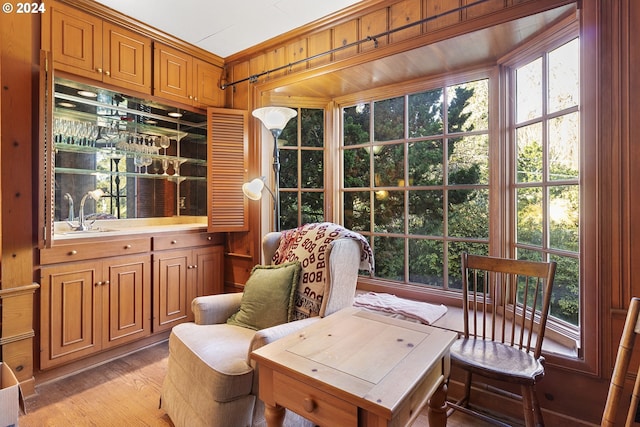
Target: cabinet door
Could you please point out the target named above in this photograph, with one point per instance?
(69, 319)
(227, 147)
(127, 59)
(207, 85)
(173, 74)
(76, 42)
(173, 289)
(209, 271)
(126, 293)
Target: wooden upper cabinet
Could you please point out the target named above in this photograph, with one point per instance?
(75, 40)
(84, 45)
(180, 77)
(126, 58)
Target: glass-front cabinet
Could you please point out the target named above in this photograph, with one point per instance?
(118, 157)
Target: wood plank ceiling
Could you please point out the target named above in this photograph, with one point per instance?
(463, 52)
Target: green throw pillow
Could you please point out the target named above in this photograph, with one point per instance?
(268, 295)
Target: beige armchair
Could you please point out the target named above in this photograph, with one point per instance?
(211, 380)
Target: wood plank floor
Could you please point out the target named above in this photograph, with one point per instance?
(124, 393)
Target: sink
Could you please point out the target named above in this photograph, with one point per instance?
(90, 231)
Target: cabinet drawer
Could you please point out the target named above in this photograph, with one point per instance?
(318, 406)
(185, 240)
(94, 250)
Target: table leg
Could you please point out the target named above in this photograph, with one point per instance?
(274, 415)
(437, 407)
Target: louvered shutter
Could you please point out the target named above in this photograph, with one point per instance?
(227, 169)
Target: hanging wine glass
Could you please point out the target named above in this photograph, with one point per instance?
(138, 162)
(164, 143)
(146, 162)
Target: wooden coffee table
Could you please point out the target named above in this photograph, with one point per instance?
(356, 368)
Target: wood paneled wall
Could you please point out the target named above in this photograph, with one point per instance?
(19, 53)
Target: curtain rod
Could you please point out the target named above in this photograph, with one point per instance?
(254, 78)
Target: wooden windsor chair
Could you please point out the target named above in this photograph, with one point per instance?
(505, 305)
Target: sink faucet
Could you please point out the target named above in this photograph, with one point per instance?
(82, 225)
(68, 198)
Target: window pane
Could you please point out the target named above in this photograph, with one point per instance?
(564, 76)
(469, 213)
(454, 260)
(426, 266)
(357, 211)
(565, 304)
(426, 215)
(288, 168)
(389, 253)
(564, 147)
(425, 163)
(289, 135)
(356, 124)
(564, 210)
(425, 113)
(468, 108)
(288, 210)
(529, 155)
(389, 211)
(529, 221)
(312, 169)
(388, 119)
(388, 165)
(356, 168)
(529, 91)
(312, 124)
(312, 207)
(469, 160)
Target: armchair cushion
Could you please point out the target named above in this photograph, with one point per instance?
(267, 299)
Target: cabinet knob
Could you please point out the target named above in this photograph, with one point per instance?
(173, 242)
(106, 282)
(190, 96)
(309, 404)
(99, 70)
(127, 246)
(108, 73)
(209, 238)
(73, 252)
(98, 284)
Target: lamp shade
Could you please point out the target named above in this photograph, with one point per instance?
(274, 117)
(253, 189)
(96, 194)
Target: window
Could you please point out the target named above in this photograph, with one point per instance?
(301, 146)
(427, 175)
(416, 180)
(545, 164)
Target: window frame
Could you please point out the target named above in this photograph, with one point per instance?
(500, 205)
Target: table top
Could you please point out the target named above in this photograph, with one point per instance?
(372, 360)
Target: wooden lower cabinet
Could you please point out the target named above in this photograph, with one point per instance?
(91, 306)
(180, 276)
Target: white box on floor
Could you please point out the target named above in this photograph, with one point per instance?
(9, 409)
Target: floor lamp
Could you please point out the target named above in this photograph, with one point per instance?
(274, 119)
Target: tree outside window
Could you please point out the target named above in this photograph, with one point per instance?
(416, 181)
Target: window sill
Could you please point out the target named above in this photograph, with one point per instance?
(453, 321)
